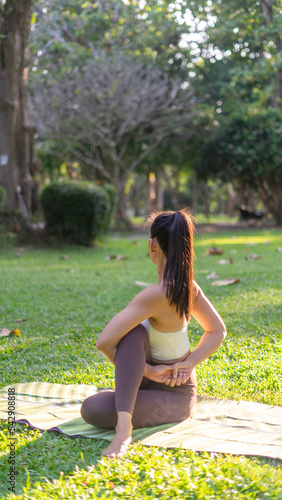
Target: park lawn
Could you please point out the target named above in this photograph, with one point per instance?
(67, 295)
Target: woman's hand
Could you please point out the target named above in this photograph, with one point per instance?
(176, 374)
(158, 373)
(180, 372)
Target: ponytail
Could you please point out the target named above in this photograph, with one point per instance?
(174, 233)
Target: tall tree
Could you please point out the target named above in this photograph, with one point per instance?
(114, 80)
(111, 115)
(17, 129)
(238, 69)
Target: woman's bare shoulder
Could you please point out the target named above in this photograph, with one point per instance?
(150, 293)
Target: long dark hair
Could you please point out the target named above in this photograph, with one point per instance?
(174, 234)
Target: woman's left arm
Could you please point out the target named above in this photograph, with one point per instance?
(140, 308)
(215, 332)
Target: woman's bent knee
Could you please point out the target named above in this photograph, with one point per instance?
(86, 411)
(99, 409)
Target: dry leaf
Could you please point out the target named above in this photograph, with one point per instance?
(6, 333)
(212, 276)
(121, 257)
(65, 257)
(20, 320)
(116, 257)
(227, 281)
(279, 249)
(111, 257)
(16, 332)
(252, 256)
(229, 261)
(214, 251)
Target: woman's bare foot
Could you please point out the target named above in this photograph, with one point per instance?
(122, 439)
(117, 448)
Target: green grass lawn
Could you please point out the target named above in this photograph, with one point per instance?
(66, 303)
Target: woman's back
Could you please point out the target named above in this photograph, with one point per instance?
(166, 318)
(167, 330)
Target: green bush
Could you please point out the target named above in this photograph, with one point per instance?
(76, 212)
(2, 196)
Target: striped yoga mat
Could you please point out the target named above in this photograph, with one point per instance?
(224, 426)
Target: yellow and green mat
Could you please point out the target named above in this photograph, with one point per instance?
(217, 425)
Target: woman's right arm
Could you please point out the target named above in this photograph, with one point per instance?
(141, 307)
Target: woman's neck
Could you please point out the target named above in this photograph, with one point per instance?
(161, 273)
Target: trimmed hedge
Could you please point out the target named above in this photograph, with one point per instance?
(2, 196)
(77, 212)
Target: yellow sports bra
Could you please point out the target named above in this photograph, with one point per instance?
(165, 346)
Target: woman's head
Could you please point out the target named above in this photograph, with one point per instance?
(174, 234)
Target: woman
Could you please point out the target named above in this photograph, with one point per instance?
(155, 379)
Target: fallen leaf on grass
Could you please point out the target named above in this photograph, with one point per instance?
(252, 256)
(227, 281)
(214, 251)
(20, 320)
(229, 261)
(116, 257)
(212, 276)
(279, 249)
(111, 257)
(6, 333)
(65, 257)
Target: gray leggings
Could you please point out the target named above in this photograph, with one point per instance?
(150, 403)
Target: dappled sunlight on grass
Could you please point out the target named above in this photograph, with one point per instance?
(233, 239)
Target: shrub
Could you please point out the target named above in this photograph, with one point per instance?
(76, 212)
(2, 196)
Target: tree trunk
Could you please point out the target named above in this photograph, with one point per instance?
(230, 202)
(17, 130)
(271, 196)
(154, 192)
(159, 192)
(137, 194)
(194, 189)
(122, 220)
